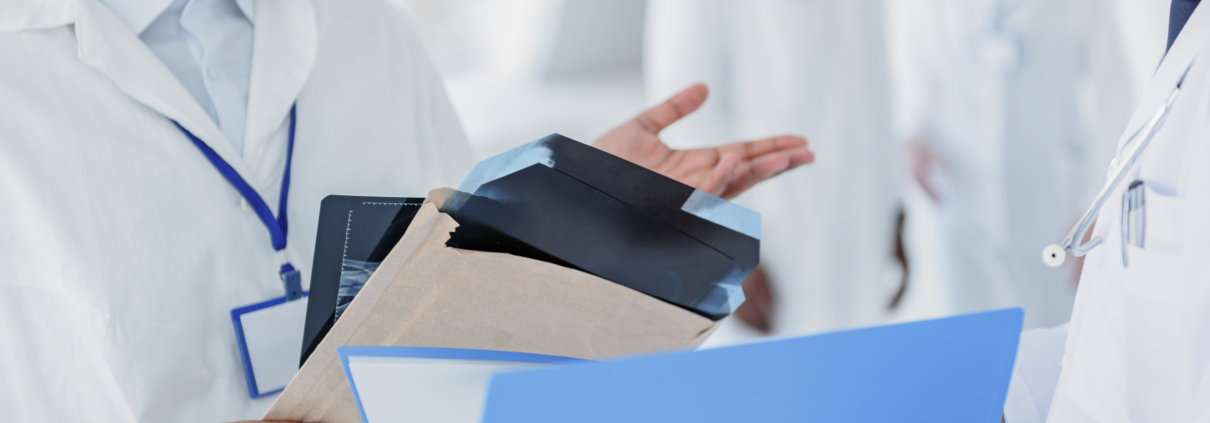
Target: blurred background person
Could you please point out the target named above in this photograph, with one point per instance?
(811, 67)
(520, 69)
(1012, 109)
(516, 69)
(986, 116)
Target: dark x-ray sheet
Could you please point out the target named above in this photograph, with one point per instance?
(564, 202)
(355, 234)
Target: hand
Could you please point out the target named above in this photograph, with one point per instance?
(725, 171)
(757, 309)
(923, 163)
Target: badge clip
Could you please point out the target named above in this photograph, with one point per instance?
(291, 278)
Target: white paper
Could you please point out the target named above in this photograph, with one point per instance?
(408, 389)
(274, 337)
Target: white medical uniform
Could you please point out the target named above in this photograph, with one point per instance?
(1138, 349)
(1007, 95)
(816, 68)
(124, 250)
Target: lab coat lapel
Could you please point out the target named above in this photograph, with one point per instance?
(108, 45)
(1184, 50)
(283, 52)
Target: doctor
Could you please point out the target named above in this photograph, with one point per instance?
(151, 152)
(1138, 346)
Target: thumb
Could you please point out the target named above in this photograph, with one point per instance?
(675, 108)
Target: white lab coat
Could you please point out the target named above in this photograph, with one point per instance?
(1006, 94)
(124, 251)
(1139, 342)
(1139, 347)
(812, 68)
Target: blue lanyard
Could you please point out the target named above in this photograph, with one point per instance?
(277, 226)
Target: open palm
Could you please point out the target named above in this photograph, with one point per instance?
(725, 171)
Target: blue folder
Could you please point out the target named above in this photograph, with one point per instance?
(954, 369)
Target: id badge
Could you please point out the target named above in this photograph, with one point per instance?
(269, 335)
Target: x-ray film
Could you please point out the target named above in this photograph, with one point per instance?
(564, 202)
(355, 234)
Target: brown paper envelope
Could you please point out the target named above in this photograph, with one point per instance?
(428, 295)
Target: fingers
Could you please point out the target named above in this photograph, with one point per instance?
(768, 166)
(754, 149)
(721, 176)
(678, 106)
(800, 157)
(771, 156)
(757, 311)
(748, 163)
(763, 168)
(923, 163)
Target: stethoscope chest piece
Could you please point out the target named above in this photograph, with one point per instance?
(1054, 255)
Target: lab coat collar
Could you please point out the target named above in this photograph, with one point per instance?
(20, 15)
(106, 44)
(138, 14)
(283, 52)
(284, 47)
(1184, 50)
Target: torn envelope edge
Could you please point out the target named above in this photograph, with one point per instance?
(289, 405)
(311, 371)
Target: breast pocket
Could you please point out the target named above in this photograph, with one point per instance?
(1154, 262)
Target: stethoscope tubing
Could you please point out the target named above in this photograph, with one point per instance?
(1055, 255)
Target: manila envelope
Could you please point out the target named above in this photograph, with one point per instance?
(425, 294)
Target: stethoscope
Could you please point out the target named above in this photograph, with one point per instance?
(1053, 255)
